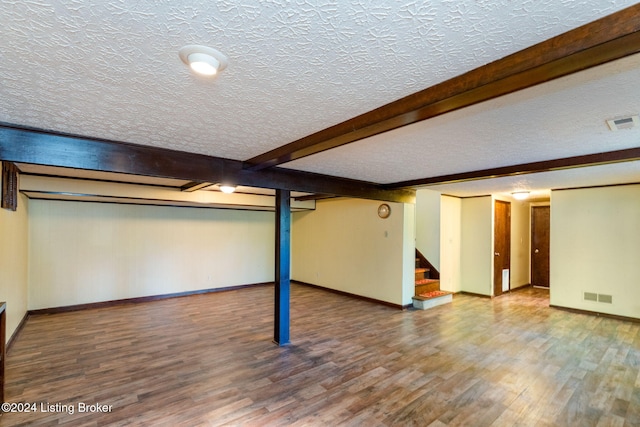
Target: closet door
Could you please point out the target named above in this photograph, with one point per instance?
(540, 219)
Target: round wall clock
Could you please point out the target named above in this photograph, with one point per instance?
(384, 210)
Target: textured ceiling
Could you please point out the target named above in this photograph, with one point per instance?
(563, 118)
(111, 70)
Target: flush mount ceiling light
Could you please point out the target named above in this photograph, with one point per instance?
(203, 60)
(228, 188)
(520, 195)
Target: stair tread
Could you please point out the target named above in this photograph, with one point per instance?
(431, 295)
(425, 281)
(421, 270)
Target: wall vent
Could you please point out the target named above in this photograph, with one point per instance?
(590, 296)
(626, 122)
(605, 298)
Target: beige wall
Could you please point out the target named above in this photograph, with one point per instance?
(89, 252)
(477, 241)
(450, 244)
(476, 255)
(409, 253)
(428, 225)
(344, 245)
(13, 263)
(595, 247)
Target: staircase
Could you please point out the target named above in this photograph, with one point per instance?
(427, 289)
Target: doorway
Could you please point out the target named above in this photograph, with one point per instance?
(502, 247)
(540, 237)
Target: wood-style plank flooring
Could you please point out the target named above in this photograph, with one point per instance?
(209, 360)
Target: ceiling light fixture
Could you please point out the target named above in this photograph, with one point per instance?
(228, 189)
(203, 60)
(520, 195)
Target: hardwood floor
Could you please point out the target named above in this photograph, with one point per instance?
(209, 360)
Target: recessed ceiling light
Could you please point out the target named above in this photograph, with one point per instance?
(203, 60)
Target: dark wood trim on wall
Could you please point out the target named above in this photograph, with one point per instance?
(126, 200)
(596, 313)
(521, 288)
(473, 294)
(113, 181)
(17, 331)
(133, 203)
(9, 186)
(138, 300)
(629, 154)
(34, 146)
(607, 39)
(597, 186)
(314, 197)
(467, 197)
(360, 297)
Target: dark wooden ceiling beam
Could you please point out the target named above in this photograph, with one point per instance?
(612, 37)
(25, 145)
(626, 155)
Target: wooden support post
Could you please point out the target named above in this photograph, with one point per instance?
(282, 270)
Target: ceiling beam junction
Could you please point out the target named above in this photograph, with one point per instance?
(27, 145)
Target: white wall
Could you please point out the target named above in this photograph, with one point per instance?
(89, 252)
(476, 255)
(595, 247)
(450, 244)
(409, 254)
(428, 225)
(13, 263)
(344, 245)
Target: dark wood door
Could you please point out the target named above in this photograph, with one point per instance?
(501, 244)
(540, 236)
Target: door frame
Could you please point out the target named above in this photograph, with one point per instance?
(531, 206)
(493, 264)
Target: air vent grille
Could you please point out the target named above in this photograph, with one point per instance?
(605, 298)
(626, 122)
(590, 296)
